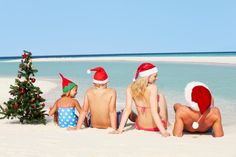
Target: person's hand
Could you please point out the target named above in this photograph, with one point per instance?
(72, 128)
(165, 134)
(115, 132)
(50, 108)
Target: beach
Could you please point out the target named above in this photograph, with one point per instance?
(49, 140)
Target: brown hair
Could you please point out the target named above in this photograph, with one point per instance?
(65, 94)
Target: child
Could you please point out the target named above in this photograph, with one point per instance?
(200, 115)
(101, 102)
(64, 108)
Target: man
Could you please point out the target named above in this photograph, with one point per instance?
(200, 116)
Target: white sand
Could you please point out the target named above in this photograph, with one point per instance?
(205, 59)
(49, 140)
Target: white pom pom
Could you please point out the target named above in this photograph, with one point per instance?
(134, 79)
(88, 71)
(195, 125)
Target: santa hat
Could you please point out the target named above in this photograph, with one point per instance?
(67, 85)
(100, 76)
(198, 97)
(145, 69)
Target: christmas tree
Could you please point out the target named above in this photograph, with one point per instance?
(26, 103)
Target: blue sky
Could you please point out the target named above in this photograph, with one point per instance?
(121, 26)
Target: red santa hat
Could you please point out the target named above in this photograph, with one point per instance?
(198, 97)
(145, 69)
(100, 75)
(66, 84)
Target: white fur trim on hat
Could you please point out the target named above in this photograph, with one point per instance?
(148, 72)
(188, 94)
(100, 82)
(88, 71)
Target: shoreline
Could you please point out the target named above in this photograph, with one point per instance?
(190, 59)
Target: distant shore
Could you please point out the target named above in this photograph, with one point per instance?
(157, 54)
(187, 59)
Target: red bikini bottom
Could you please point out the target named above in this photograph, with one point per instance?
(148, 129)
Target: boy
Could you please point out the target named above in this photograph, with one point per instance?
(100, 103)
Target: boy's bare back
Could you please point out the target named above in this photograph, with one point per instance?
(100, 102)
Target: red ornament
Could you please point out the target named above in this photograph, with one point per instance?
(32, 80)
(22, 91)
(34, 107)
(16, 106)
(24, 56)
(19, 76)
(43, 104)
(32, 100)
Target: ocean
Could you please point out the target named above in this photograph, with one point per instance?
(172, 78)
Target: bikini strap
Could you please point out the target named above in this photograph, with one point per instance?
(158, 97)
(143, 108)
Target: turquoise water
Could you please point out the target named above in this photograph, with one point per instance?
(173, 77)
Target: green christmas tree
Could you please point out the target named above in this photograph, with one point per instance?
(26, 103)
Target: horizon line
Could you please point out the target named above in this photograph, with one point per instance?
(118, 54)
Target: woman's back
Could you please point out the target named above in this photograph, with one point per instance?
(145, 118)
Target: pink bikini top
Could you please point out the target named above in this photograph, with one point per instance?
(143, 108)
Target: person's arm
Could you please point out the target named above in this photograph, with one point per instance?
(53, 109)
(112, 110)
(77, 106)
(155, 115)
(126, 112)
(212, 102)
(84, 112)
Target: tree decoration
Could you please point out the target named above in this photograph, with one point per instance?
(26, 103)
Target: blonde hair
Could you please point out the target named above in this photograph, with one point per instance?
(138, 88)
(100, 85)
